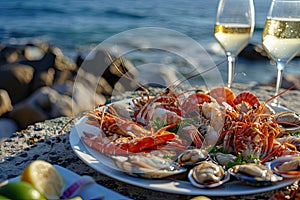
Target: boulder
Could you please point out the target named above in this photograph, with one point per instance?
(254, 52)
(109, 71)
(5, 103)
(26, 68)
(288, 80)
(7, 128)
(15, 79)
(16, 53)
(51, 102)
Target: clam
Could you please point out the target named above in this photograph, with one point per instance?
(191, 157)
(148, 166)
(222, 158)
(254, 174)
(208, 175)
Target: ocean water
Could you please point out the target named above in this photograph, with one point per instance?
(78, 26)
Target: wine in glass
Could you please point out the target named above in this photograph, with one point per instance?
(233, 29)
(281, 35)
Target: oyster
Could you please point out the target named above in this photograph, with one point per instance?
(288, 166)
(222, 158)
(191, 157)
(294, 140)
(148, 166)
(208, 175)
(254, 174)
(289, 121)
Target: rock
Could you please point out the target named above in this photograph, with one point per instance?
(288, 80)
(109, 74)
(15, 79)
(254, 52)
(7, 128)
(52, 68)
(26, 68)
(5, 103)
(16, 53)
(44, 84)
(52, 102)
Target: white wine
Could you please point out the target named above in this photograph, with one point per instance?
(233, 37)
(281, 38)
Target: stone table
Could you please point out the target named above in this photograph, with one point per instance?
(49, 141)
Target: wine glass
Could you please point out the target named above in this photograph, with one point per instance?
(281, 35)
(233, 29)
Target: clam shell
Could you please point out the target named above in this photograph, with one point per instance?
(148, 167)
(274, 165)
(269, 179)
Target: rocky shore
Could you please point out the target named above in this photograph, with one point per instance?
(37, 83)
(49, 141)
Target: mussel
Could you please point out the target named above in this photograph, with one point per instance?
(208, 175)
(148, 166)
(254, 174)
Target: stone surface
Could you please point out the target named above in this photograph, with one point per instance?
(5, 103)
(40, 82)
(288, 81)
(56, 101)
(15, 79)
(50, 141)
(254, 52)
(7, 128)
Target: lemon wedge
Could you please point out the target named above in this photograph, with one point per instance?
(45, 178)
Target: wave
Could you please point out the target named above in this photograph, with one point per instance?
(122, 13)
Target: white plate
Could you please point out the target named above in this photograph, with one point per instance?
(91, 191)
(103, 164)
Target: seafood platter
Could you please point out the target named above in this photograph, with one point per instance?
(193, 142)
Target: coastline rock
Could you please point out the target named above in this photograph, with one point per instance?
(110, 78)
(15, 79)
(26, 68)
(288, 80)
(16, 53)
(51, 102)
(7, 128)
(5, 103)
(254, 52)
(38, 83)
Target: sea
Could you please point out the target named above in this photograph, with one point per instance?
(173, 26)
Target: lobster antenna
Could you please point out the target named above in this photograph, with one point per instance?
(281, 93)
(175, 84)
(126, 75)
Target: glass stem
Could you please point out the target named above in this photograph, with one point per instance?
(280, 68)
(231, 66)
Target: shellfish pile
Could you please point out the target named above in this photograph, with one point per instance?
(211, 137)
